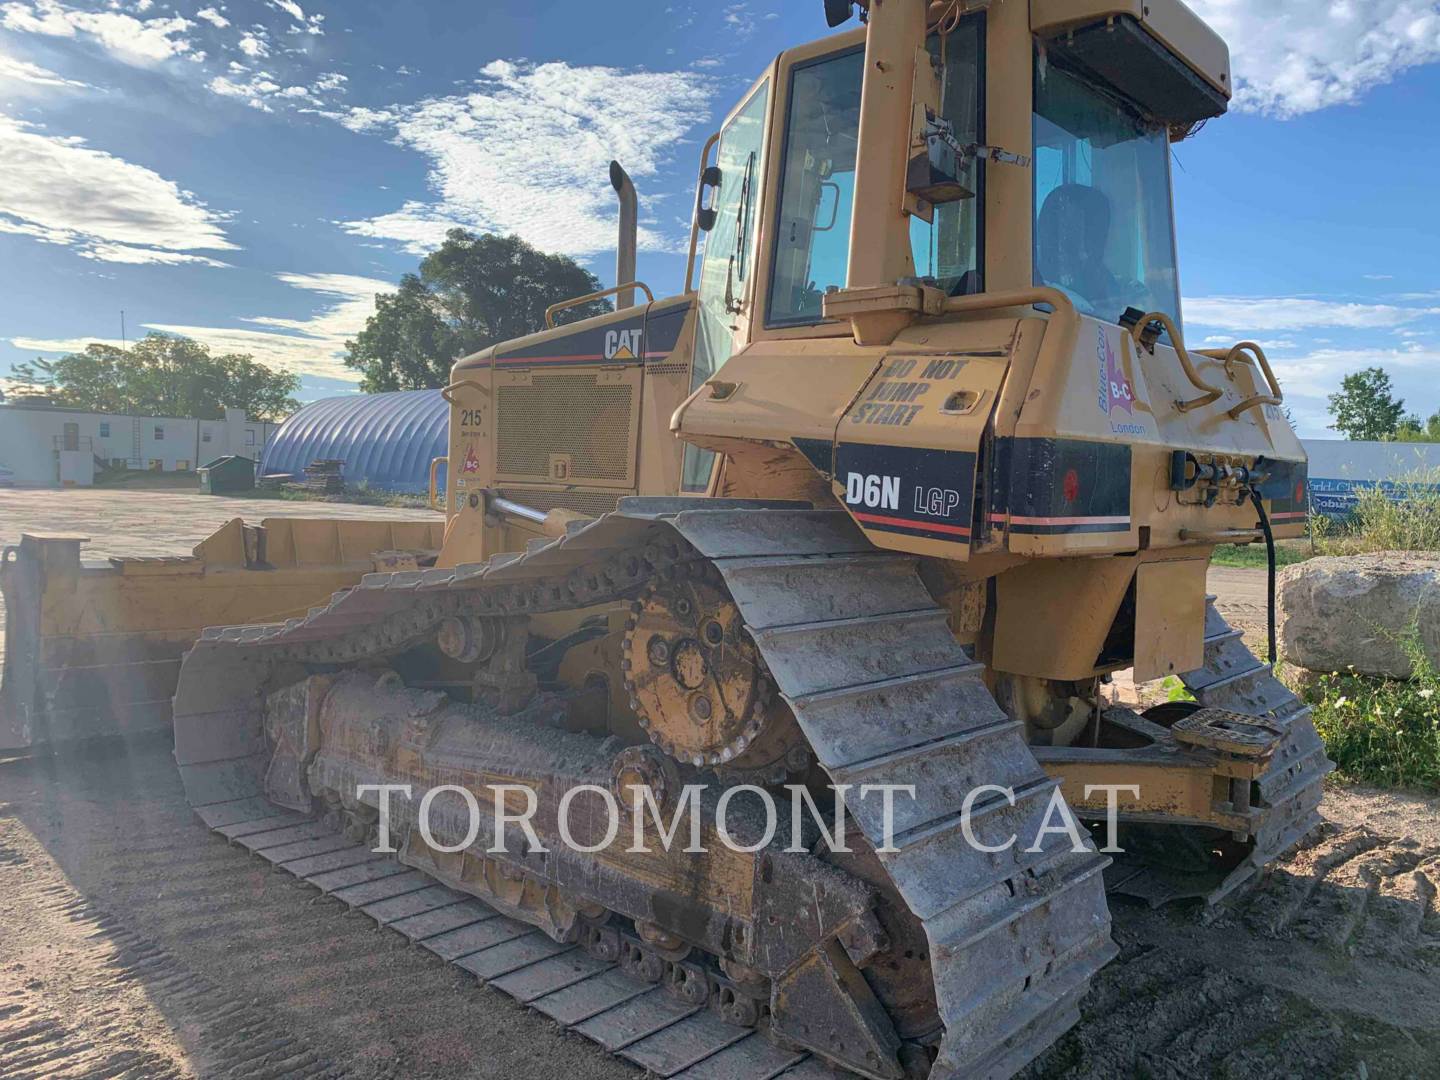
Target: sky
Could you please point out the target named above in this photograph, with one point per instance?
(251, 173)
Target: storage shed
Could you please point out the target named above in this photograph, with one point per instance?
(386, 440)
(226, 474)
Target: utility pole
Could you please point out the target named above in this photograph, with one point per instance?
(122, 330)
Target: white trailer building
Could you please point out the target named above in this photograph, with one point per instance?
(47, 446)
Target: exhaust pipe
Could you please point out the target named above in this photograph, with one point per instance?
(629, 225)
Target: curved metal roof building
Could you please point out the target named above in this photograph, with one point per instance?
(386, 440)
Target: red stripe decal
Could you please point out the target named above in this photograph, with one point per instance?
(1290, 514)
(1121, 520)
(876, 519)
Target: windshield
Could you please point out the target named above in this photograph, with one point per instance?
(812, 243)
(1103, 232)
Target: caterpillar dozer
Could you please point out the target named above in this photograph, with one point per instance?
(917, 461)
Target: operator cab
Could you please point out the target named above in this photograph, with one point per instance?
(1110, 84)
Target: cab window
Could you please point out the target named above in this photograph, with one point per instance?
(1103, 227)
(725, 271)
(812, 242)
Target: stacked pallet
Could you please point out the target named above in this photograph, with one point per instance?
(325, 476)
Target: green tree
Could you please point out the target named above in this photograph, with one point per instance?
(472, 292)
(1365, 407)
(159, 376)
(1412, 430)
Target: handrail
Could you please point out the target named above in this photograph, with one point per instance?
(695, 220)
(577, 301)
(1017, 380)
(434, 467)
(449, 392)
(1236, 354)
(1209, 393)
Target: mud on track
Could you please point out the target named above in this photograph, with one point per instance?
(134, 943)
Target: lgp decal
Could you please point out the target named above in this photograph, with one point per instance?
(623, 344)
(1115, 389)
(472, 463)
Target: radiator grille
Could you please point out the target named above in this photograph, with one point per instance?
(593, 503)
(570, 414)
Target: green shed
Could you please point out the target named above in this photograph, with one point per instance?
(227, 474)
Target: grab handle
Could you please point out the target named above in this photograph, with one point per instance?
(435, 464)
(449, 392)
(1237, 354)
(1208, 393)
(578, 300)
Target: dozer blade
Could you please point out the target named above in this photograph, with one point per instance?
(94, 649)
(1008, 939)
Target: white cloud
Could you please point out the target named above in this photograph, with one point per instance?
(60, 191)
(310, 346)
(739, 19)
(528, 152)
(1224, 341)
(260, 90)
(290, 8)
(252, 91)
(135, 41)
(1308, 380)
(61, 345)
(360, 118)
(1289, 313)
(144, 256)
(253, 44)
(1295, 56)
(213, 17)
(13, 69)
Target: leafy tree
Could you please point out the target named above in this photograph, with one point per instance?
(1364, 407)
(472, 292)
(158, 376)
(1412, 430)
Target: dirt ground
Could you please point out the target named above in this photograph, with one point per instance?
(134, 943)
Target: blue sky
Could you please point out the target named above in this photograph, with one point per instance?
(251, 172)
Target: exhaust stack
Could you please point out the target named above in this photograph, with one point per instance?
(629, 224)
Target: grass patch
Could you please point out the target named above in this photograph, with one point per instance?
(1175, 690)
(1404, 516)
(1253, 555)
(1382, 731)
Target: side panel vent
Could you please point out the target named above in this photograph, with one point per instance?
(568, 427)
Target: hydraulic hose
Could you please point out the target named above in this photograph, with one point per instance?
(1270, 567)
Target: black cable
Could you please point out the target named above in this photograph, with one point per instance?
(1270, 560)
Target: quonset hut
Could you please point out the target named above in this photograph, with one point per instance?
(387, 441)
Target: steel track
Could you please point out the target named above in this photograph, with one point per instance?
(878, 684)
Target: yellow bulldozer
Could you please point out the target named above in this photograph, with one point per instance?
(882, 502)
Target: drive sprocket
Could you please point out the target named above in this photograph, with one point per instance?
(698, 684)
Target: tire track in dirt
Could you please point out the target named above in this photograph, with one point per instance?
(320, 991)
(87, 997)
